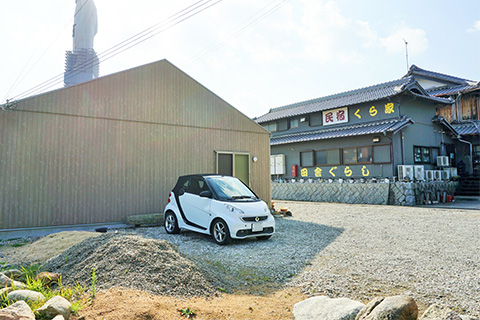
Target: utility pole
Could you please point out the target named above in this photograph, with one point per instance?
(406, 52)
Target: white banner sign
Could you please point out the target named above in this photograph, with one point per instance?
(335, 116)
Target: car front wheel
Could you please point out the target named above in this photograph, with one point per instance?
(171, 223)
(220, 232)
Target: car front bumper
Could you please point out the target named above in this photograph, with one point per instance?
(240, 229)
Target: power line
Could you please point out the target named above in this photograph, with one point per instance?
(166, 24)
(245, 25)
(17, 80)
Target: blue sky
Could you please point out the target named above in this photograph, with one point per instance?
(303, 50)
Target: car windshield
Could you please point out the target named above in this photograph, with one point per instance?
(230, 188)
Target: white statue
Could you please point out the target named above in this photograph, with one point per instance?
(85, 24)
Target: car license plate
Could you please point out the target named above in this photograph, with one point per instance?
(257, 227)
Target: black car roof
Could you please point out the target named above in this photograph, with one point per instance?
(181, 179)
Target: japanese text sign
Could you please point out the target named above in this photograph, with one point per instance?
(335, 116)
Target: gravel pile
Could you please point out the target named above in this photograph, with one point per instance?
(354, 251)
(131, 261)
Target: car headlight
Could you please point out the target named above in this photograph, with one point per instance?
(233, 209)
(266, 209)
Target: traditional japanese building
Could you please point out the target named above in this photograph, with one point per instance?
(463, 114)
(368, 132)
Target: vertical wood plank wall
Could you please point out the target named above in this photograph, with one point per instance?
(113, 147)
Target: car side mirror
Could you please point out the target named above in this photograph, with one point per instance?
(206, 194)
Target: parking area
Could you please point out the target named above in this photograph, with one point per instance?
(355, 251)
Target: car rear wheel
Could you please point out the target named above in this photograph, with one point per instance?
(220, 232)
(171, 223)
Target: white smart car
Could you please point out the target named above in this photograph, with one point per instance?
(221, 206)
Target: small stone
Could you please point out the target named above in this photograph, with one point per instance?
(48, 278)
(25, 295)
(5, 281)
(325, 308)
(13, 274)
(55, 306)
(392, 308)
(438, 312)
(17, 311)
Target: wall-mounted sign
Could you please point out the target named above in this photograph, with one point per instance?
(335, 116)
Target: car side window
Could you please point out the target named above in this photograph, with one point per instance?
(196, 185)
(185, 186)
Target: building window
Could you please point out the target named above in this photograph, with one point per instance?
(306, 159)
(294, 123)
(381, 154)
(315, 119)
(364, 155)
(357, 155)
(350, 156)
(327, 157)
(422, 155)
(271, 127)
(282, 125)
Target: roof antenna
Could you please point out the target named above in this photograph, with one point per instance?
(406, 52)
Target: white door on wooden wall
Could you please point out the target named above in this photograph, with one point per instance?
(234, 164)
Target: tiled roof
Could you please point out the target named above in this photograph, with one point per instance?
(414, 70)
(466, 128)
(389, 125)
(372, 93)
(452, 90)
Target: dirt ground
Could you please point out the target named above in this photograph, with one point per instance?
(125, 304)
(45, 248)
(122, 304)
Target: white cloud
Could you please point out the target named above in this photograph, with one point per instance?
(329, 36)
(475, 27)
(416, 38)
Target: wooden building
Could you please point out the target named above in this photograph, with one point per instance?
(97, 152)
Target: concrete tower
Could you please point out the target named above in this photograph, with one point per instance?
(81, 64)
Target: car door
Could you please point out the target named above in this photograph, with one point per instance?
(196, 208)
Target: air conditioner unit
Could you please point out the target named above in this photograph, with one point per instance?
(419, 172)
(429, 175)
(437, 174)
(405, 172)
(442, 161)
(446, 174)
(277, 164)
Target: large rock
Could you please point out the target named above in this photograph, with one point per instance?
(25, 295)
(390, 308)
(17, 311)
(145, 219)
(55, 306)
(438, 312)
(325, 308)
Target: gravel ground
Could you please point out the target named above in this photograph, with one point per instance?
(339, 250)
(355, 251)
